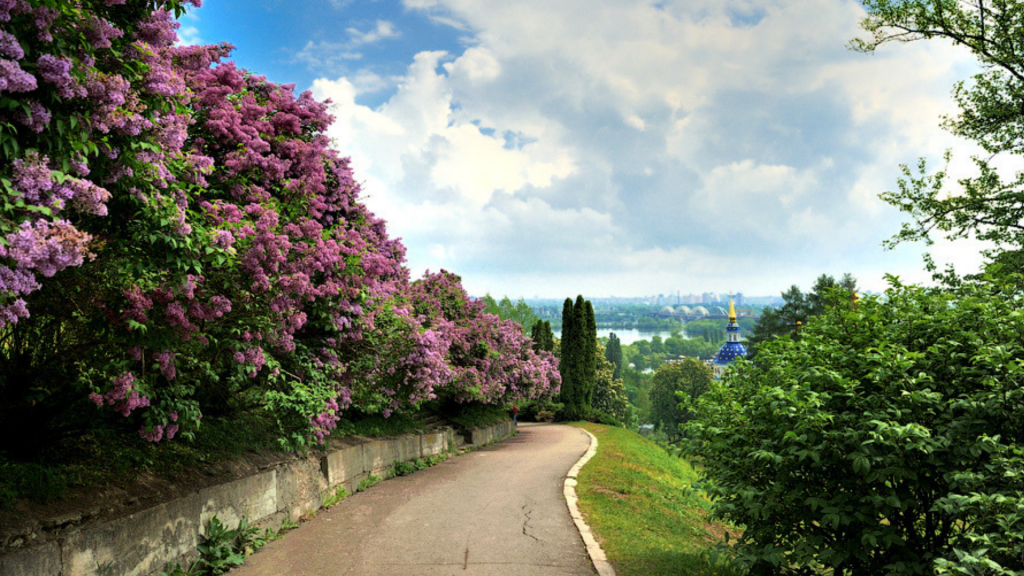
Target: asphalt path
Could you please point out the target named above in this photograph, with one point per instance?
(496, 511)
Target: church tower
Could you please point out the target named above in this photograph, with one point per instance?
(732, 349)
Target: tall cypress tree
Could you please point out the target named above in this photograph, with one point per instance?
(537, 335)
(589, 354)
(548, 343)
(543, 338)
(566, 363)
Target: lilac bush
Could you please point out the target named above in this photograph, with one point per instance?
(178, 239)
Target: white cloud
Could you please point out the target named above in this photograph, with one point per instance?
(382, 30)
(645, 147)
(324, 55)
(188, 32)
(334, 56)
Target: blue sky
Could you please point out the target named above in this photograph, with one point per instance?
(617, 147)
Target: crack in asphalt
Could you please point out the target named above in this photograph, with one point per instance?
(527, 511)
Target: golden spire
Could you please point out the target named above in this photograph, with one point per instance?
(732, 311)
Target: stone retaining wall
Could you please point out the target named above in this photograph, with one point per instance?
(142, 544)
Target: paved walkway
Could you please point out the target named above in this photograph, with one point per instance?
(497, 511)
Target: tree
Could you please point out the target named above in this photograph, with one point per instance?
(613, 353)
(797, 307)
(991, 115)
(639, 362)
(885, 441)
(180, 242)
(609, 392)
(690, 376)
(657, 346)
(578, 363)
(638, 391)
(543, 337)
(568, 359)
(590, 351)
(520, 312)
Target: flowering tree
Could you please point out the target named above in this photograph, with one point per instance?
(491, 360)
(178, 239)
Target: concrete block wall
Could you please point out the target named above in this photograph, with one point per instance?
(143, 543)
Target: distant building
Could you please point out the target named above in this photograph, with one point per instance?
(732, 349)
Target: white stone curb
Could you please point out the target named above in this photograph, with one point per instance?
(597, 556)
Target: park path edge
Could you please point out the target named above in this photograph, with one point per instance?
(594, 550)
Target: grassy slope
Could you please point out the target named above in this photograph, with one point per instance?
(638, 500)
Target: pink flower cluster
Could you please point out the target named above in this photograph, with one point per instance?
(161, 431)
(123, 396)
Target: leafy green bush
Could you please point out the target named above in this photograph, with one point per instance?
(541, 410)
(886, 441)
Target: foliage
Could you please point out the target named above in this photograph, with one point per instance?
(224, 549)
(609, 392)
(796, 309)
(520, 312)
(468, 416)
(689, 377)
(489, 360)
(219, 551)
(886, 440)
(179, 241)
(613, 354)
(644, 508)
(590, 351)
(331, 499)
(368, 482)
(988, 204)
(570, 362)
(580, 357)
(703, 345)
(542, 336)
(638, 391)
(541, 410)
(404, 468)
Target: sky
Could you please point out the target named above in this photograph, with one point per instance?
(544, 148)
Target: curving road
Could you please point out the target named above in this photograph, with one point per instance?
(497, 511)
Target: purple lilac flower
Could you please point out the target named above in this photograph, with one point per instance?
(57, 71)
(37, 118)
(44, 19)
(7, 7)
(10, 313)
(100, 32)
(32, 178)
(123, 396)
(9, 46)
(14, 79)
(47, 247)
(166, 360)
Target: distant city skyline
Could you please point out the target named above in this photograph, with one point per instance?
(612, 146)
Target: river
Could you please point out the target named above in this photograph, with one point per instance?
(626, 335)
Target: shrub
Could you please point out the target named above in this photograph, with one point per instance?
(886, 441)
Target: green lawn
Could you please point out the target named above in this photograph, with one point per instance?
(639, 502)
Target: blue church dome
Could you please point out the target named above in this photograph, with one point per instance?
(733, 348)
(729, 352)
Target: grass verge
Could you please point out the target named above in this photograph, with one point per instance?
(639, 502)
